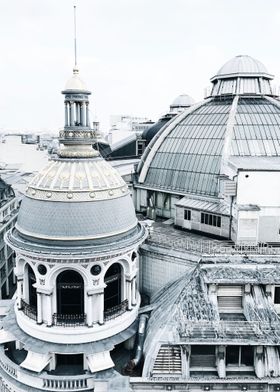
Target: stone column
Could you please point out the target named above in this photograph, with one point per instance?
(221, 361)
(39, 308)
(87, 115)
(89, 310)
(49, 309)
(66, 115)
(101, 309)
(78, 112)
(19, 291)
(83, 114)
(259, 362)
(133, 291)
(128, 292)
(71, 113)
(185, 354)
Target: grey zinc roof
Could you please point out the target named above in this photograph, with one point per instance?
(202, 205)
(84, 220)
(184, 312)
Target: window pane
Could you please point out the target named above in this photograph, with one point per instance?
(277, 295)
(232, 355)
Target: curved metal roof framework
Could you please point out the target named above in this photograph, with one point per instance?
(189, 154)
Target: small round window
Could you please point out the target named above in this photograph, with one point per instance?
(42, 269)
(95, 269)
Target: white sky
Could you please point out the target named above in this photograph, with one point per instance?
(135, 56)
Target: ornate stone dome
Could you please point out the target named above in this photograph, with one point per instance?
(78, 196)
(76, 200)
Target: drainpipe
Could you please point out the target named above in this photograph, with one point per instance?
(140, 343)
(230, 217)
(231, 207)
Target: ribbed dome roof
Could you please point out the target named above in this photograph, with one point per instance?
(75, 82)
(242, 65)
(76, 200)
(182, 100)
(94, 179)
(188, 154)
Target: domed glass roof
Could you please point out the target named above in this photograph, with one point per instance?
(182, 100)
(242, 65)
(242, 75)
(188, 153)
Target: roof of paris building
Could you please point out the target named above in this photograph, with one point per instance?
(76, 199)
(179, 104)
(242, 65)
(239, 119)
(78, 196)
(184, 312)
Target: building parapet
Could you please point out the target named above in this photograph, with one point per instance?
(209, 247)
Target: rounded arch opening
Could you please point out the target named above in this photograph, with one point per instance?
(113, 292)
(32, 292)
(70, 293)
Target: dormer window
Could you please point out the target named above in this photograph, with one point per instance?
(230, 299)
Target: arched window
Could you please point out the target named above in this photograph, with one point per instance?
(32, 293)
(70, 293)
(113, 289)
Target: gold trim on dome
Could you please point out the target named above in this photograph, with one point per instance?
(85, 176)
(76, 196)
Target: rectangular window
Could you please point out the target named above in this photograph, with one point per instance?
(277, 295)
(187, 214)
(203, 356)
(210, 219)
(239, 355)
(230, 298)
(140, 147)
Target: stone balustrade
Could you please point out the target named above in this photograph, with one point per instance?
(44, 381)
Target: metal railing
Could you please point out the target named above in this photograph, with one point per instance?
(115, 311)
(44, 381)
(61, 384)
(29, 310)
(210, 247)
(69, 320)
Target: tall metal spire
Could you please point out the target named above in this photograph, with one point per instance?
(75, 36)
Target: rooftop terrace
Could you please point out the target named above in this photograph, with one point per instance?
(167, 236)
